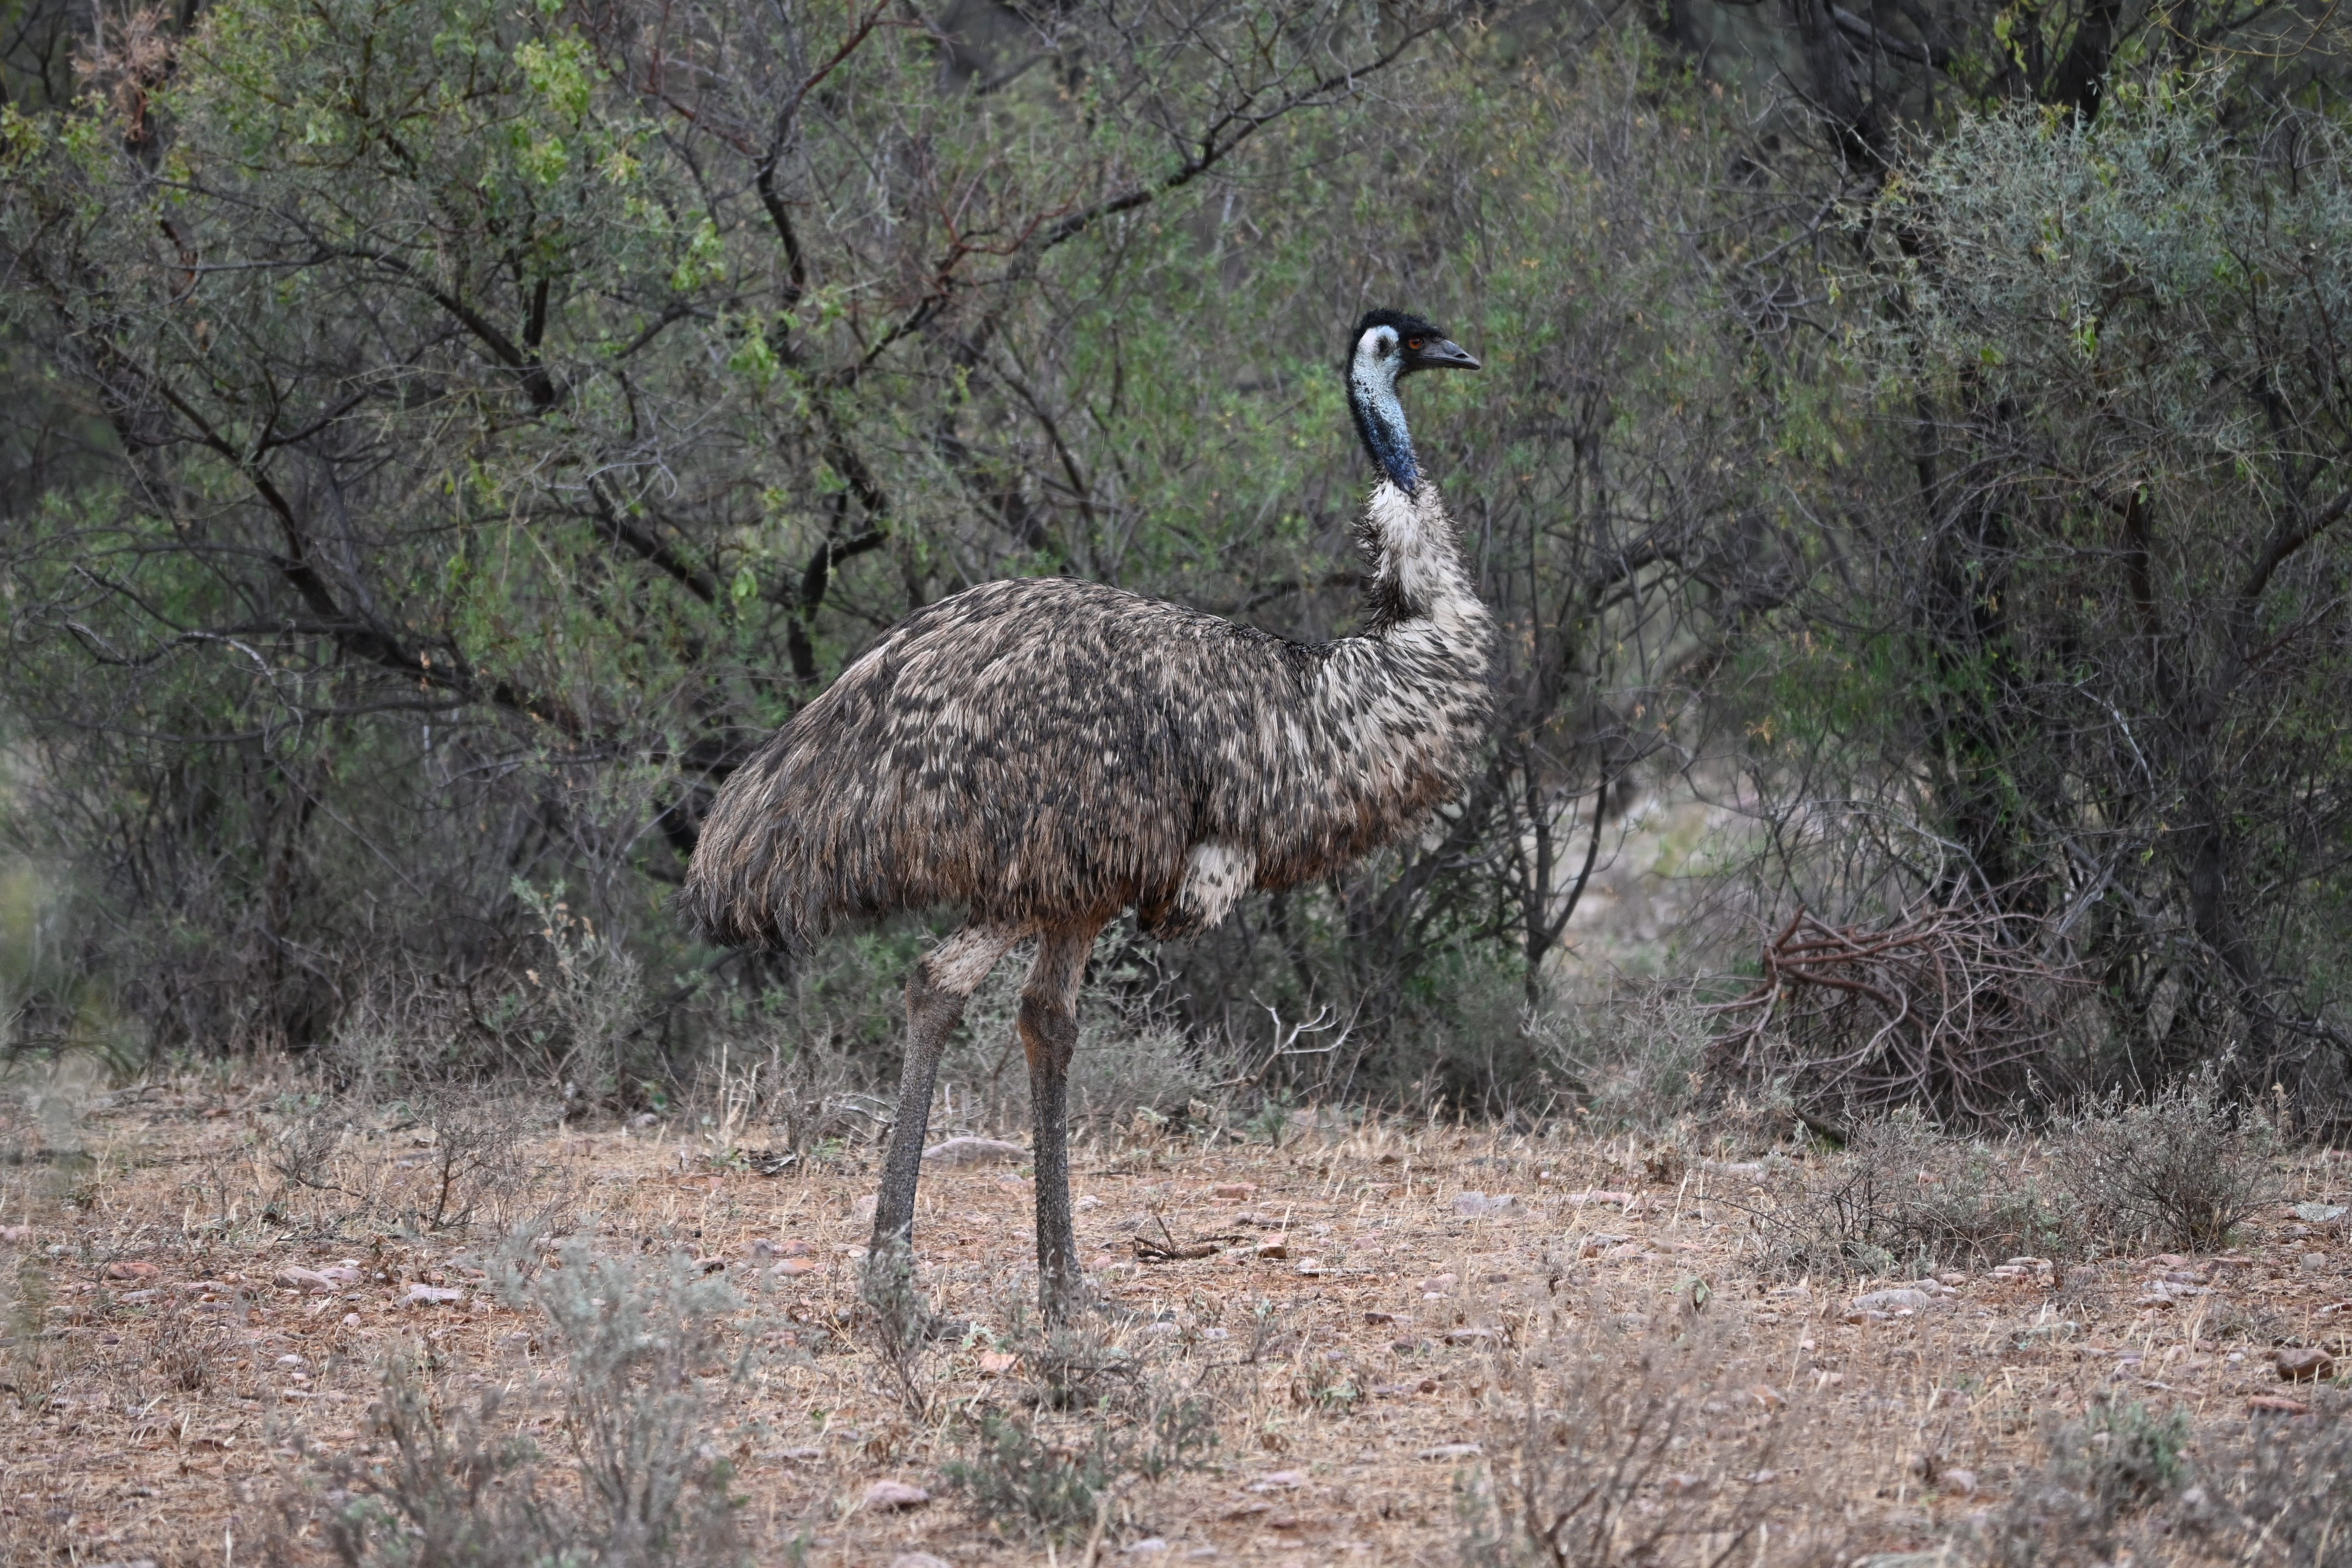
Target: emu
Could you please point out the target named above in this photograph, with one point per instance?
(1046, 754)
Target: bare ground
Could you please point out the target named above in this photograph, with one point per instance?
(171, 1387)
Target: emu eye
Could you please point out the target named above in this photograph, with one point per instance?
(1413, 343)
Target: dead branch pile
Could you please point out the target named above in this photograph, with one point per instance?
(1950, 1010)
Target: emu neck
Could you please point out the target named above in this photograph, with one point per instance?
(1380, 420)
(1415, 562)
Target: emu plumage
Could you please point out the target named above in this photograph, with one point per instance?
(1046, 754)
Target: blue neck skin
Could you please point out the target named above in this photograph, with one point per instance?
(1379, 417)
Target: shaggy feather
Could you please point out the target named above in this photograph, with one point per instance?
(1045, 750)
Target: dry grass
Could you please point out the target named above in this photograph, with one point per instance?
(1570, 1377)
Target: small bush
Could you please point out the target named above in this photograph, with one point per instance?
(2295, 1496)
(2183, 1168)
(2116, 1461)
(1904, 1199)
(1599, 1423)
(1015, 1474)
(1635, 1061)
(1086, 1411)
(2124, 1456)
(641, 1479)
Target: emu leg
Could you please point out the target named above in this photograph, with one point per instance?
(1049, 1036)
(936, 994)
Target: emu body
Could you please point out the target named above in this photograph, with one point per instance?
(1046, 754)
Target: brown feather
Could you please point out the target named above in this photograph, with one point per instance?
(1045, 750)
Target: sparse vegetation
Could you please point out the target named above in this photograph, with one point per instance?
(2182, 1168)
(680, 1369)
(634, 1472)
(1903, 1199)
(1593, 1453)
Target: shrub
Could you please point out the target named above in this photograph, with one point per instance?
(1581, 1455)
(2114, 1461)
(1904, 1198)
(2183, 1167)
(1089, 1414)
(642, 1480)
(2297, 1494)
(1635, 1061)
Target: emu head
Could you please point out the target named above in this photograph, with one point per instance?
(1389, 346)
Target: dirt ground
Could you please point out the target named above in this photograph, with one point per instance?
(1364, 1336)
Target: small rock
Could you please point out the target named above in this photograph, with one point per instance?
(15, 1233)
(2303, 1365)
(975, 1152)
(1438, 1284)
(861, 1211)
(1681, 1483)
(2315, 1263)
(1311, 1268)
(794, 1268)
(1960, 1483)
(432, 1296)
(1377, 1319)
(351, 1320)
(895, 1495)
(920, 1560)
(1146, 1547)
(1232, 1190)
(1089, 1201)
(994, 1364)
(1278, 1481)
(1598, 1196)
(2319, 1214)
(1471, 1337)
(131, 1270)
(1452, 1451)
(1908, 1299)
(1273, 1247)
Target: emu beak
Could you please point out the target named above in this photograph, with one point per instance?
(1444, 354)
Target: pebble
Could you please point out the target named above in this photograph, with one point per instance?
(896, 1494)
(1960, 1483)
(1146, 1547)
(920, 1560)
(1452, 1451)
(2303, 1365)
(1273, 1247)
(432, 1296)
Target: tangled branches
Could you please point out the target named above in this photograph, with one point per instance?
(1945, 1009)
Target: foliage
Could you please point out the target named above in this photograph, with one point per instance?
(1904, 1200)
(2078, 660)
(457, 1483)
(2182, 1168)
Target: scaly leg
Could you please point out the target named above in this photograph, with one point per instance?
(1049, 1036)
(936, 994)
